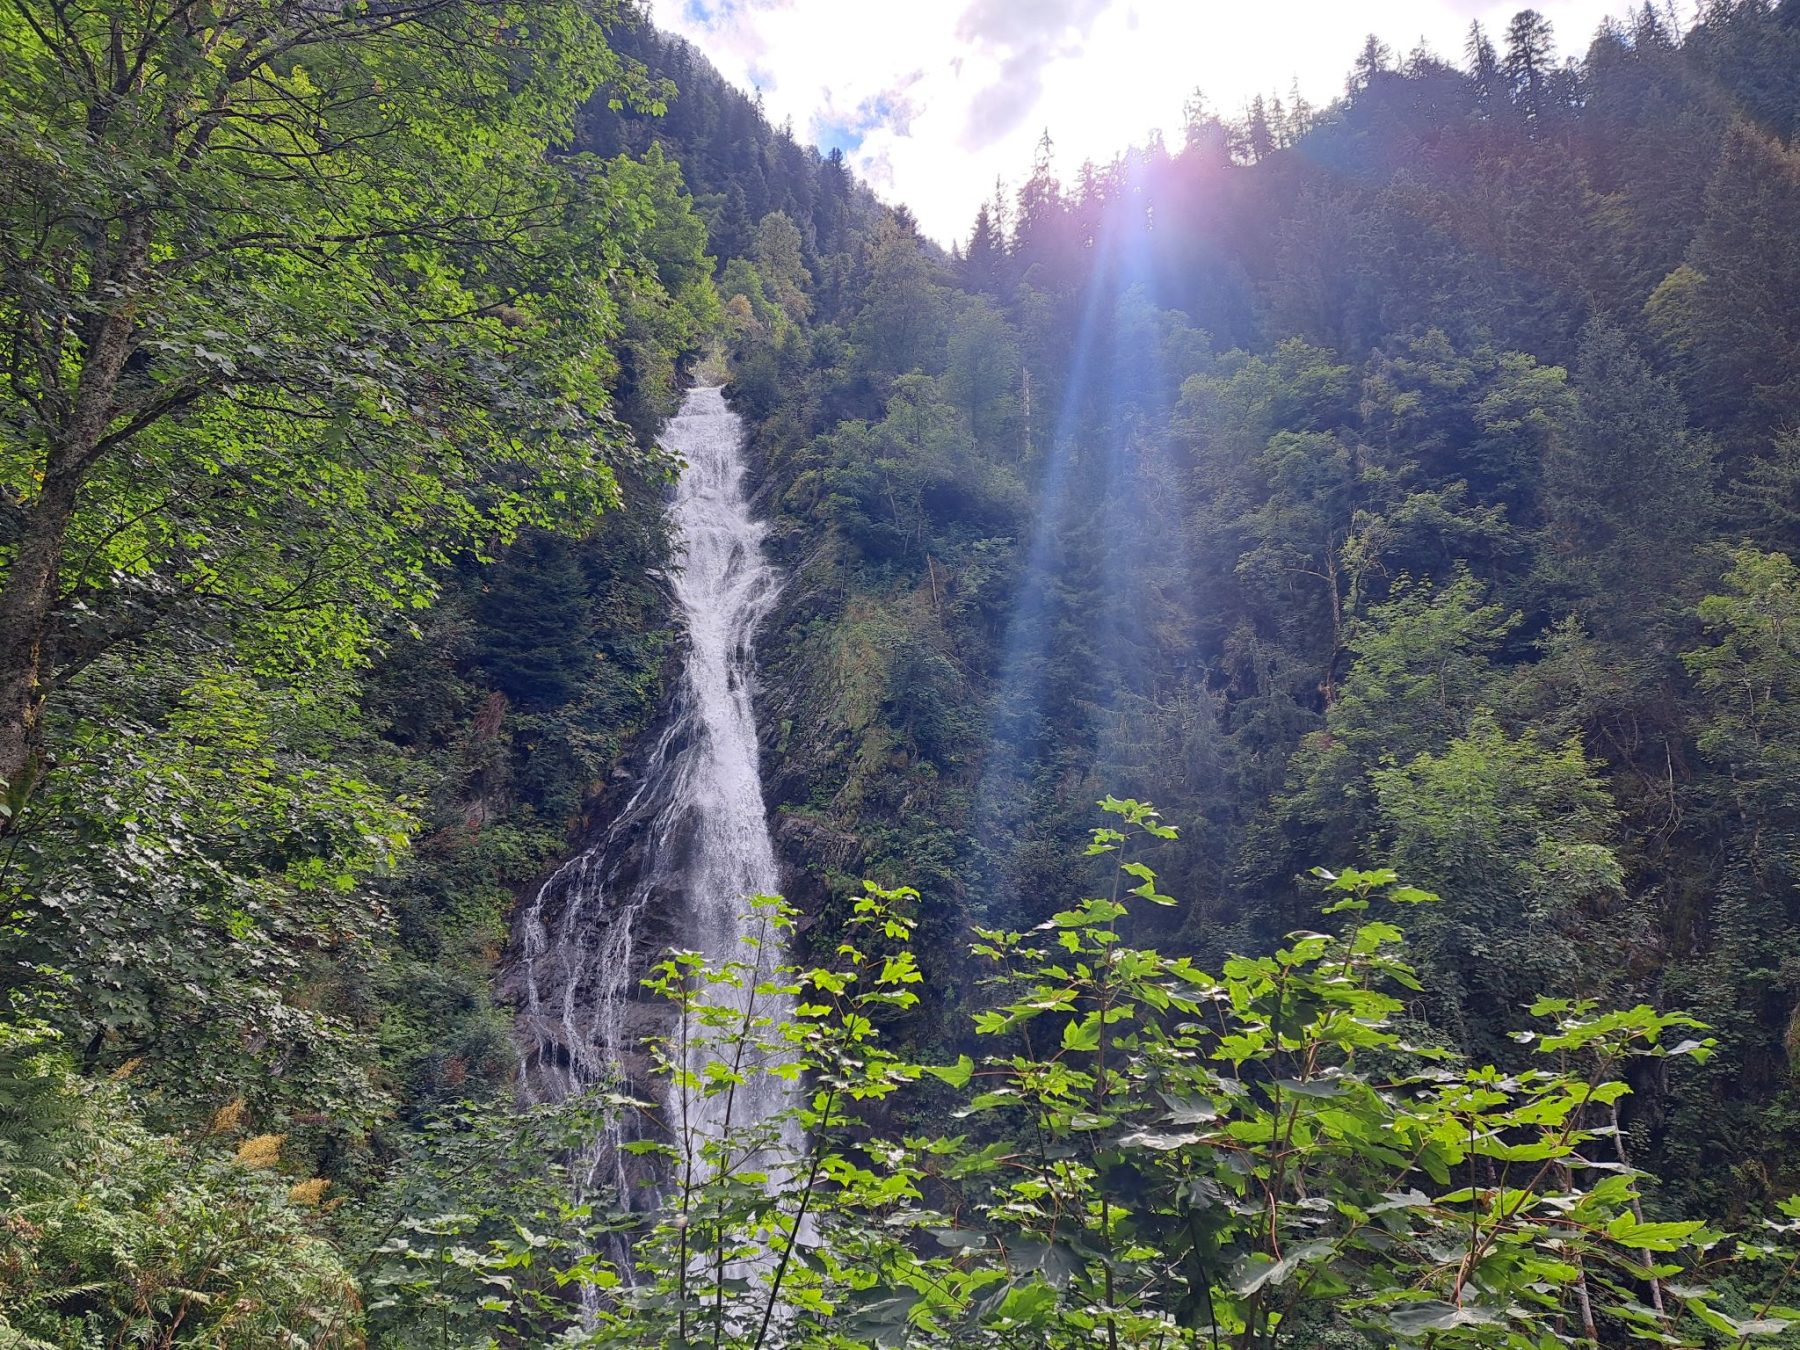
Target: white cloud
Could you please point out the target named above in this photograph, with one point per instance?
(932, 99)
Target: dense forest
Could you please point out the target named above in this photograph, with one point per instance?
(1408, 484)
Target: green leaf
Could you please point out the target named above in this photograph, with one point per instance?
(1162, 1141)
(1259, 1269)
(1656, 1237)
(960, 1238)
(1028, 1304)
(1420, 1319)
(1082, 1034)
(957, 1075)
(1410, 895)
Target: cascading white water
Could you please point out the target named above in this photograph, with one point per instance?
(686, 853)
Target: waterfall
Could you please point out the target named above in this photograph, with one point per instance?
(680, 860)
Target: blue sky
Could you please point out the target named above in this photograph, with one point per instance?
(930, 100)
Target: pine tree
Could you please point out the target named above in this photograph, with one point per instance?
(1745, 336)
(1626, 489)
(535, 633)
(1375, 58)
(1484, 71)
(1260, 136)
(1042, 212)
(1529, 50)
(987, 253)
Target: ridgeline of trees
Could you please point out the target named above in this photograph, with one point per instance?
(1415, 478)
(1412, 479)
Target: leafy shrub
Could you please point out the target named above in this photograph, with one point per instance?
(1148, 1154)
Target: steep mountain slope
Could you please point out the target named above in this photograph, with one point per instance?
(1350, 483)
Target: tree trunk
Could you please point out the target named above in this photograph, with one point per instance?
(25, 602)
(28, 594)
